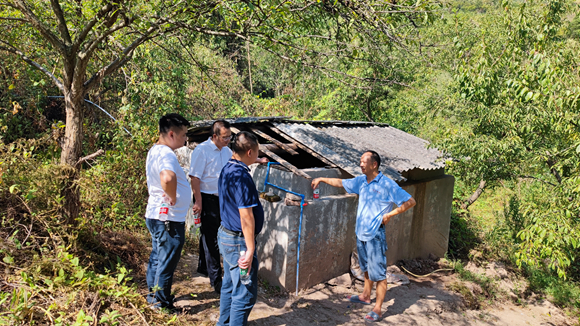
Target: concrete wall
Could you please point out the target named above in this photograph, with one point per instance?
(295, 183)
(424, 229)
(327, 230)
(326, 242)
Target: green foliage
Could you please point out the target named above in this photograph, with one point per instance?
(518, 102)
(574, 28)
(561, 292)
(495, 85)
(462, 233)
(60, 291)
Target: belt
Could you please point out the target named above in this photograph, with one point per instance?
(234, 233)
(212, 196)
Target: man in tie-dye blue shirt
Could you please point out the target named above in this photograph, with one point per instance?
(377, 196)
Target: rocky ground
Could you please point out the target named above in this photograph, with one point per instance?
(439, 299)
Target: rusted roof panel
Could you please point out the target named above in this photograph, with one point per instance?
(337, 150)
(399, 150)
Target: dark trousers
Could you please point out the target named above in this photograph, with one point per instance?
(209, 254)
(163, 260)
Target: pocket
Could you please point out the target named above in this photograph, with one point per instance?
(157, 230)
(385, 242)
(381, 236)
(231, 253)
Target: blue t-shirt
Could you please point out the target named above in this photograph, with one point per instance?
(375, 199)
(237, 190)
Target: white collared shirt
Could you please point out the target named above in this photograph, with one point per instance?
(207, 161)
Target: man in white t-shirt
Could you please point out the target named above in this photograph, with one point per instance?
(207, 161)
(166, 182)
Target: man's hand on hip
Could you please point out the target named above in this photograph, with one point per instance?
(386, 218)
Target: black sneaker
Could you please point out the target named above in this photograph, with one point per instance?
(172, 310)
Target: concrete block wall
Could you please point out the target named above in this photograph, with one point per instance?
(293, 182)
(424, 229)
(327, 240)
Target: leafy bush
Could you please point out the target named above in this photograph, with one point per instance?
(56, 289)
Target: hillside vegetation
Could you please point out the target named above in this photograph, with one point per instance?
(495, 85)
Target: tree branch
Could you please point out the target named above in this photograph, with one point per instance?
(8, 5)
(94, 44)
(551, 164)
(534, 178)
(125, 56)
(475, 195)
(13, 18)
(315, 66)
(64, 33)
(83, 35)
(89, 157)
(36, 23)
(13, 50)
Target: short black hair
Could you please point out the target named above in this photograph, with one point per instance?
(375, 157)
(244, 141)
(171, 120)
(218, 125)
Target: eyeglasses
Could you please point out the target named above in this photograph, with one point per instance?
(226, 138)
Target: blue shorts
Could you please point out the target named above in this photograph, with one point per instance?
(372, 256)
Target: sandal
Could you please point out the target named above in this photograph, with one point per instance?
(372, 317)
(355, 299)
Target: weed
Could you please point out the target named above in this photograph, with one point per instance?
(470, 300)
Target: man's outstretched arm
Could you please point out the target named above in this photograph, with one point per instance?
(335, 182)
(405, 206)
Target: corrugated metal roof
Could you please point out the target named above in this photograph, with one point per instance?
(343, 144)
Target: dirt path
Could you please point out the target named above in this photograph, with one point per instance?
(425, 301)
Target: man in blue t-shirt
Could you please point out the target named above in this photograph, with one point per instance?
(242, 217)
(377, 196)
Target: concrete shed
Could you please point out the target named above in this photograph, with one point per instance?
(310, 149)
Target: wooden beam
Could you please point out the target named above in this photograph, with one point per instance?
(284, 163)
(275, 141)
(275, 149)
(302, 147)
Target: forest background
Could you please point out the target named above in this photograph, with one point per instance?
(494, 84)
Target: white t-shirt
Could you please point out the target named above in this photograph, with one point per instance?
(207, 161)
(160, 158)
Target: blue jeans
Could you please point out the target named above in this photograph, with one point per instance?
(372, 256)
(163, 260)
(236, 299)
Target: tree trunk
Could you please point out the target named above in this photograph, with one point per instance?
(475, 195)
(71, 152)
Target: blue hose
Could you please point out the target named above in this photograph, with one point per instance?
(300, 224)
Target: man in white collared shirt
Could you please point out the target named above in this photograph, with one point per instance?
(207, 161)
